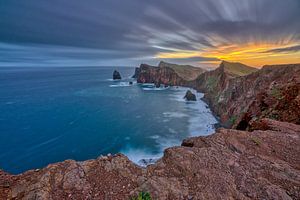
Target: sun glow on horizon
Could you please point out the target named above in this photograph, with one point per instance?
(252, 54)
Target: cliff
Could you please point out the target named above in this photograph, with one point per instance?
(271, 92)
(230, 164)
(217, 83)
(166, 73)
(239, 94)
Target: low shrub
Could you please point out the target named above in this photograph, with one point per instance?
(142, 196)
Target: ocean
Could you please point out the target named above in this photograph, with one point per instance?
(50, 114)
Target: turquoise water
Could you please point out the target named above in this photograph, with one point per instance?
(52, 114)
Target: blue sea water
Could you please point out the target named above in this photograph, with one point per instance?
(51, 114)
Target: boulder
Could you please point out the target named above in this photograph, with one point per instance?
(189, 96)
(116, 75)
(130, 83)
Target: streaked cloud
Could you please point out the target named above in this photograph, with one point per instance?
(284, 50)
(126, 32)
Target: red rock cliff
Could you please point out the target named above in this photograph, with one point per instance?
(273, 92)
(166, 73)
(230, 164)
(239, 94)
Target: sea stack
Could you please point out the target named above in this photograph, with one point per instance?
(189, 96)
(117, 75)
(157, 84)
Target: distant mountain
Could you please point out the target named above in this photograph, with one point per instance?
(187, 72)
(167, 73)
(235, 69)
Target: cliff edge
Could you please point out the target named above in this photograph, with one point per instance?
(230, 164)
(167, 73)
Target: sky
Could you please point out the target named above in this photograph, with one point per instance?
(130, 32)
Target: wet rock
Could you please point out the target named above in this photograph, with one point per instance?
(189, 96)
(130, 83)
(157, 85)
(116, 75)
(136, 73)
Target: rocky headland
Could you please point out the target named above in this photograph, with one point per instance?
(258, 158)
(239, 94)
(167, 74)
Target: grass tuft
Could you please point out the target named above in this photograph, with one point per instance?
(142, 196)
(256, 141)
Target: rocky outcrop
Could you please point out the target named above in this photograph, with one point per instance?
(230, 164)
(116, 75)
(239, 94)
(167, 74)
(137, 72)
(271, 92)
(189, 96)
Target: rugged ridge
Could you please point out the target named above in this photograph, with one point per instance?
(271, 92)
(239, 94)
(230, 164)
(166, 73)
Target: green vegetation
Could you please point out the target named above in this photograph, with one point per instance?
(211, 82)
(187, 72)
(142, 196)
(232, 119)
(274, 116)
(238, 69)
(275, 92)
(256, 141)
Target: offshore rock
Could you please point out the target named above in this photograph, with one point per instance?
(189, 96)
(116, 75)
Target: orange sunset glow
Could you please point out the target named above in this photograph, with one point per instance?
(252, 54)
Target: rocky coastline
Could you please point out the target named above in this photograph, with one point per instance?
(256, 158)
(238, 94)
(230, 164)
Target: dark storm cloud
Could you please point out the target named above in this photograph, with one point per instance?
(284, 50)
(134, 30)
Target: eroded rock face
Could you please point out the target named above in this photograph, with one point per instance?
(116, 75)
(239, 94)
(230, 164)
(151, 74)
(167, 74)
(271, 92)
